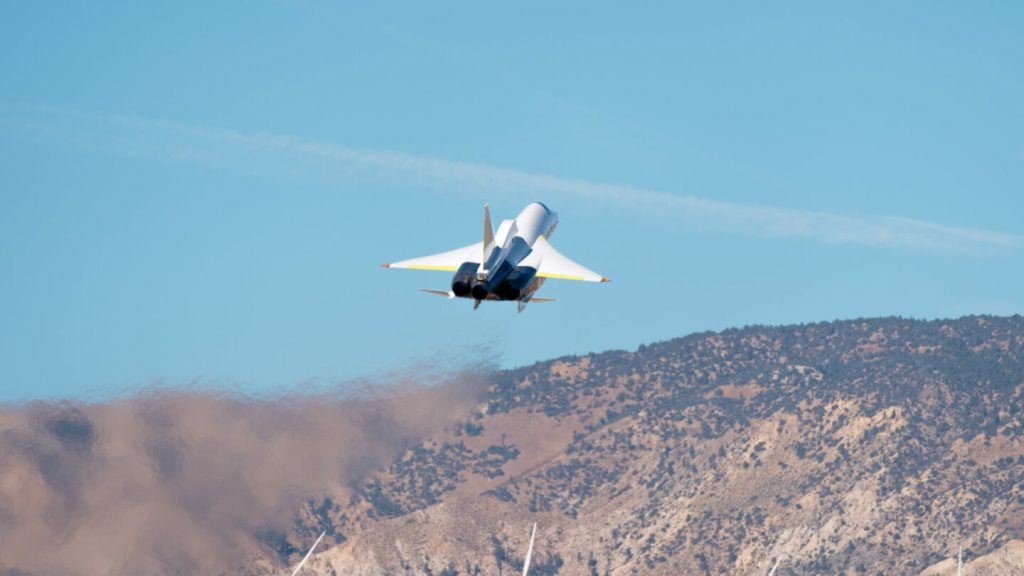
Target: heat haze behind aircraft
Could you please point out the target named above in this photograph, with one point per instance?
(509, 264)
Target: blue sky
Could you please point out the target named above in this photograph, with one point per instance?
(200, 195)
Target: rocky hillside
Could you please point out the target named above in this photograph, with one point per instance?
(858, 447)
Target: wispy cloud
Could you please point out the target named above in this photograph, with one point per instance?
(190, 143)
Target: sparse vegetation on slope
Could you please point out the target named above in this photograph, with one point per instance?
(857, 447)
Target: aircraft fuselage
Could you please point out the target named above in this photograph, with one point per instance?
(505, 270)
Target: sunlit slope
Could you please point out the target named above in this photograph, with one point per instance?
(856, 447)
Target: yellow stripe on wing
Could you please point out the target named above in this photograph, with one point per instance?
(442, 268)
(561, 276)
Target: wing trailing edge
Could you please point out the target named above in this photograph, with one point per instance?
(553, 264)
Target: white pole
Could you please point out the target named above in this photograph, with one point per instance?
(529, 551)
(308, 554)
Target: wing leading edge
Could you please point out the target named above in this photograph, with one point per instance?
(553, 264)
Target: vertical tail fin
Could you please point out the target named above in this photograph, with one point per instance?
(488, 233)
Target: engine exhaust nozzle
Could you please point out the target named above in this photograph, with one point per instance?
(479, 292)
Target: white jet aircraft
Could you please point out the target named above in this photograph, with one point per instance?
(510, 264)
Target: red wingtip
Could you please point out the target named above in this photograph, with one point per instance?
(388, 265)
(606, 279)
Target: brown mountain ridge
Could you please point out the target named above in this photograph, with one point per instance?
(871, 446)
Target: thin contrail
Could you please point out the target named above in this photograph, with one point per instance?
(176, 141)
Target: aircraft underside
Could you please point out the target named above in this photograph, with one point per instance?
(506, 284)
